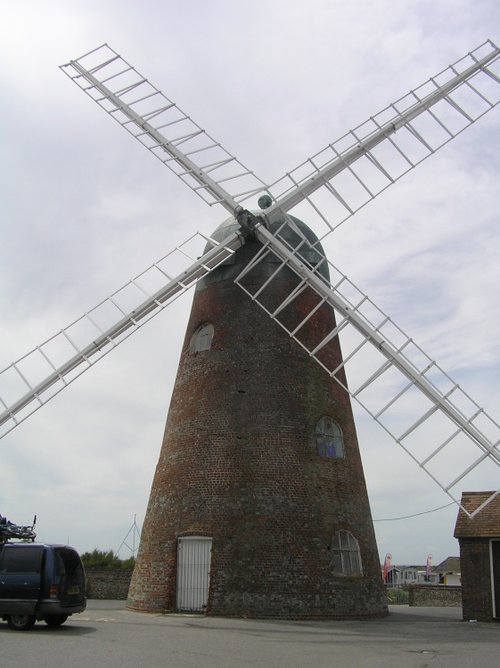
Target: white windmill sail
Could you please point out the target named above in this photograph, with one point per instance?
(330, 186)
(158, 123)
(366, 160)
(30, 382)
(417, 403)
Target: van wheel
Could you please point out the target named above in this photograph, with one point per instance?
(20, 622)
(55, 620)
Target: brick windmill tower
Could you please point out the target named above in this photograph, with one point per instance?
(258, 505)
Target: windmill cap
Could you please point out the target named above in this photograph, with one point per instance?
(295, 234)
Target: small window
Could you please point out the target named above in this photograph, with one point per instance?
(22, 560)
(329, 439)
(345, 554)
(202, 338)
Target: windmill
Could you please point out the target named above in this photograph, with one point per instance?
(273, 257)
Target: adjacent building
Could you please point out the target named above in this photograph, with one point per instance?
(479, 539)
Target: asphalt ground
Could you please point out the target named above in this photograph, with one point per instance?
(108, 635)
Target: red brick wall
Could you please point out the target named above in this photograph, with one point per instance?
(239, 463)
(475, 565)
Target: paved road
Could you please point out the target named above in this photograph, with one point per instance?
(108, 635)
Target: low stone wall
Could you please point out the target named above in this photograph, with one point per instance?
(108, 583)
(443, 596)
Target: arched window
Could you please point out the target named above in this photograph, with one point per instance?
(202, 338)
(346, 555)
(329, 439)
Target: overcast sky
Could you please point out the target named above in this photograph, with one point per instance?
(85, 208)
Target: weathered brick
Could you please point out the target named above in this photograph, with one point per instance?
(239, 463)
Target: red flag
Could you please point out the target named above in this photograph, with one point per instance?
(428, 567)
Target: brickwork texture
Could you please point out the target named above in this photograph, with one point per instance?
(477, 599)
(239, 463)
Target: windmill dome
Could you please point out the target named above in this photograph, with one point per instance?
(292, 234)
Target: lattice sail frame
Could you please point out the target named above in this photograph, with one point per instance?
(39, 375)
(345, 176)
(351, 171)
(162, 127)
(417, 403)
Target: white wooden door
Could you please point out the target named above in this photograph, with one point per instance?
(193, 572)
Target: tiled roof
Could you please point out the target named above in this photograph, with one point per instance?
(486, 524)
(449, 565)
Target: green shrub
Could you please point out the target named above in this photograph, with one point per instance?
(102, 559)
(397, 596)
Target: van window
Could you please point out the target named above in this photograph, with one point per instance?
(21, 560)
(68, 563)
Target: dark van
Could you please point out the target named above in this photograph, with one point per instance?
(40, 582)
